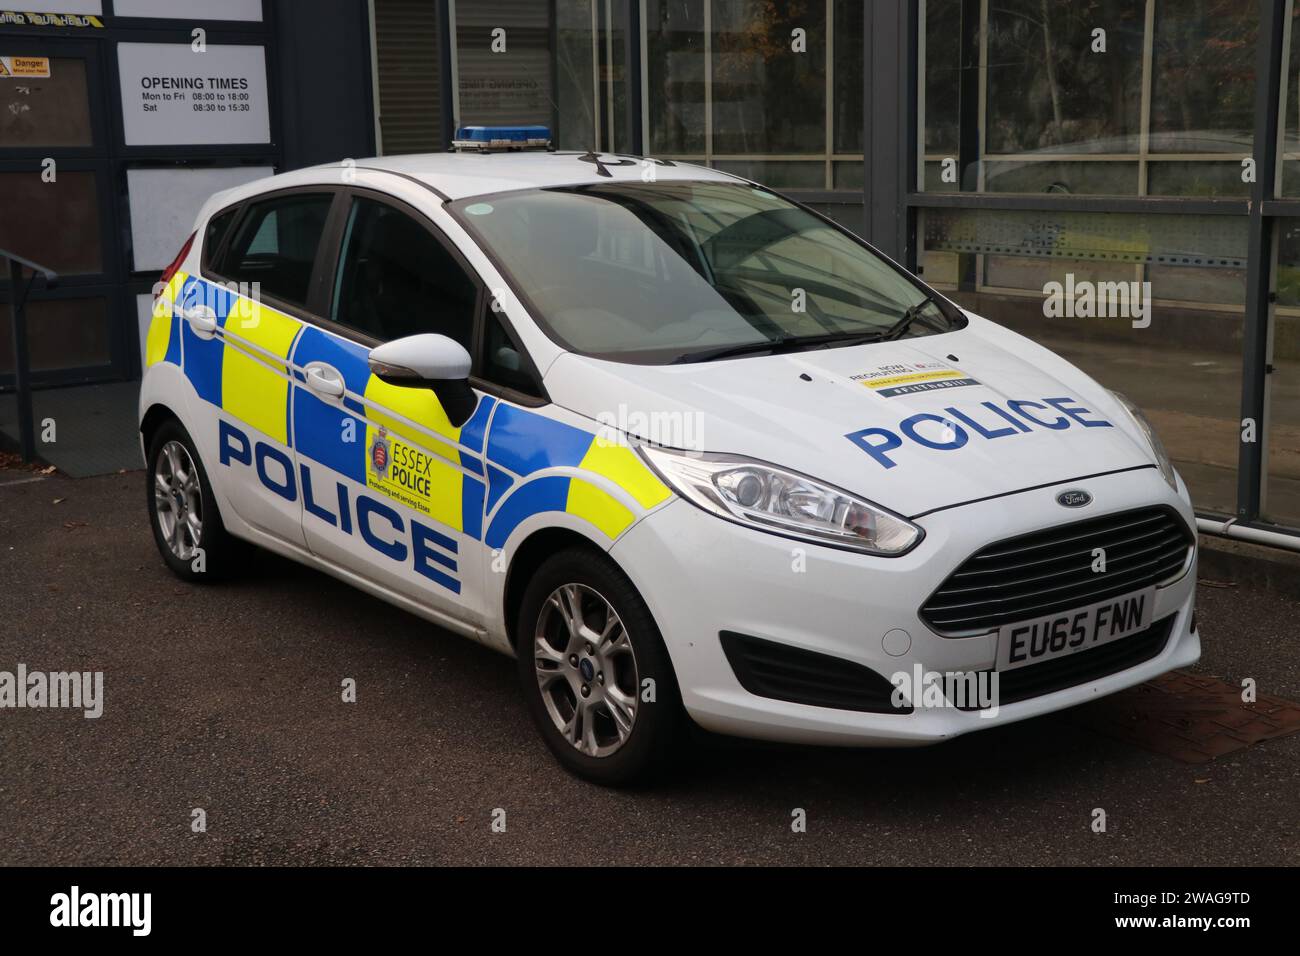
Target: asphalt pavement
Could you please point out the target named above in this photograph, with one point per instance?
(227, 698)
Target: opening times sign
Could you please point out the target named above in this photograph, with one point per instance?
(173, 95)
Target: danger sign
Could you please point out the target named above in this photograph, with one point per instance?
(30, 66)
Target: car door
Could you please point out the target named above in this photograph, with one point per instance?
(242, 315)
(393, 490)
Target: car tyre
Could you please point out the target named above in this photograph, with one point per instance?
(587, 645)
(183, 513)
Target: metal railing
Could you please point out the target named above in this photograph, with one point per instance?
(19, 289)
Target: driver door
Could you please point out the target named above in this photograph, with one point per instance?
(392, 489)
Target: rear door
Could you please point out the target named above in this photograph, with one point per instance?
(241, 318)
(392, 490)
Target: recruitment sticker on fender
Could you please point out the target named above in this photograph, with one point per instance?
(889, 381)
(28, 67)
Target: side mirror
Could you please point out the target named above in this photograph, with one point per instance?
(429, 361)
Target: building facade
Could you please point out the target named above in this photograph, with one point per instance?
(1117, 179)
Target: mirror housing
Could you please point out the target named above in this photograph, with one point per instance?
(429, 361)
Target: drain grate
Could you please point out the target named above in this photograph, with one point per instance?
(1190, 718)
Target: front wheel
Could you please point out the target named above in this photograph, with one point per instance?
(595, 671)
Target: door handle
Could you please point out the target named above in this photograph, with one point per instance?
(325, 380)
(202, 320)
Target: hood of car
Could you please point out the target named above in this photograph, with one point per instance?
(912, 425)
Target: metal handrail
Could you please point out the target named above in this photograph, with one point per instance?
(19, 290)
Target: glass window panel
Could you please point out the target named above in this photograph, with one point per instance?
(1183, 368)
(942, 76)
(1047, 88)
(847, 102)
(575, 79)
(61, 334)
(767, 98)
(1203, 77)
(508, 86)
(793, 174)
(1291, 118)
(1061, 178)
(1196, 178)
(275, 245)
(848, 175)
(1282, 480)
(391, 269)
(67, 210)
(48, 111)
(675, 76)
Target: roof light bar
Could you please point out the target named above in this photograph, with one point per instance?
(483, 138)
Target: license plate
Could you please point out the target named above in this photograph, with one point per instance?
(1058, 635)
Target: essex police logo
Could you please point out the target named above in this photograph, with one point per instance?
(379, 455)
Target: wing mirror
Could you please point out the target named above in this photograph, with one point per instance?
(429, 361)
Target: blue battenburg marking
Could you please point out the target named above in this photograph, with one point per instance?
(471, 507)
(534, 497)
(498, 483)
(471, 433)
(524, 442)
(319, 427)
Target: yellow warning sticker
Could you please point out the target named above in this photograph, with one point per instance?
(889, 381)
(37, 67)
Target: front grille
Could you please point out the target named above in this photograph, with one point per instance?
(781, 672)
(1035, 680)
(1038, 574)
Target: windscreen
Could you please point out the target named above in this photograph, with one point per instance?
(668, 271)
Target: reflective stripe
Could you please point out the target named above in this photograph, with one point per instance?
(163, 343)
(621, 465)
(255, 389)
(598, 507)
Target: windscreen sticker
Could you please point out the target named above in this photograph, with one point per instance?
(908, 378)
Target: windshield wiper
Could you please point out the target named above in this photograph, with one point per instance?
(788, 343)
(898, 328)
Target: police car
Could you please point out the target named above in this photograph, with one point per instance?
(684, 448)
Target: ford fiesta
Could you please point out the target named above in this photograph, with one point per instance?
(684, 448)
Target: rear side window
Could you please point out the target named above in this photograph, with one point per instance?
(218, 226)
(275, 245)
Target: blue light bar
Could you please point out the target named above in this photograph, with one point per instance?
(502, 137)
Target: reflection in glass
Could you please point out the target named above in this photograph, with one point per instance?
(1049, 87)
(1183, 368)
(1203, 77)
(769, 85)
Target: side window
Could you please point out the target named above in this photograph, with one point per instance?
(212, 236)
(502, 362)
(275, 245)
(395, 279)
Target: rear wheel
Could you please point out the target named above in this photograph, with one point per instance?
(186, 524)
(595, 671)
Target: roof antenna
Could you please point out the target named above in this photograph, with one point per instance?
(590, 157)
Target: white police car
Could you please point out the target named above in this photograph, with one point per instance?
(680, 445)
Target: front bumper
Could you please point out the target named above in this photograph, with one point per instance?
(701, 575)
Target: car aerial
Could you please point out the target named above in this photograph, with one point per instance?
(683, 447)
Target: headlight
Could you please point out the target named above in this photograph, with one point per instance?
(784, 502)
(1157, 447)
